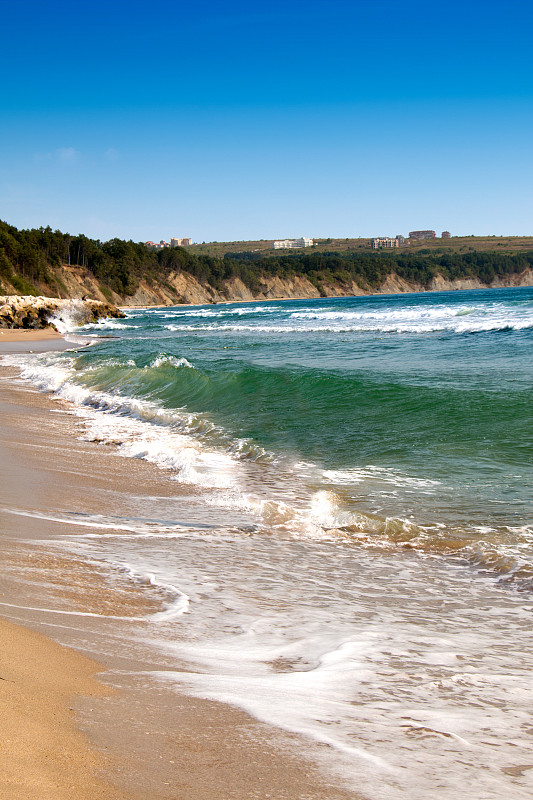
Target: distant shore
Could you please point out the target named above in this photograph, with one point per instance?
(251, 271)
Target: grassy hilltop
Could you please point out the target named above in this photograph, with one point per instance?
(456, 244)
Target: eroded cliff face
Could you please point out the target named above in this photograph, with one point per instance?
(182, 288)
(440, 284)
(22, 311)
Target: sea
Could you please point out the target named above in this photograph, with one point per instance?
(349, 556)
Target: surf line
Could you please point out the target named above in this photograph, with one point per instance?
(76, 613)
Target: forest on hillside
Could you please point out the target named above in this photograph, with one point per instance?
(28, 258)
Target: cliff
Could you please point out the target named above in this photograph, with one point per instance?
(20, 311)
(55, 264)
(183, 288)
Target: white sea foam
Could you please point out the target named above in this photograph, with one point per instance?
(219, 311)
(179, 601)
(73, 317)
(416, 675)
(189, 460)
(127, 422)
(347, 477)
(486, 316)
(66, 613)
(69, 317)
(361, 655)
(171, 361)
(402, 667)
(108, 324)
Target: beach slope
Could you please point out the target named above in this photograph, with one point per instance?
(42, 753)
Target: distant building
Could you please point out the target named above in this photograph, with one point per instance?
(401, 239)
(384, 241)
(290, 244)
(173, 243)
(446, 235)
(422, 235)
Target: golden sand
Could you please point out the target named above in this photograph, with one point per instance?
(42, 754)
(165, 746)
(19, 335)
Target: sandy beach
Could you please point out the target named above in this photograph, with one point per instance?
(64, 732)
(16, 340)
(43, 753)
(18, 335)
(293, 583)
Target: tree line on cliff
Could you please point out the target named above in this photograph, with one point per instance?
(28, 259)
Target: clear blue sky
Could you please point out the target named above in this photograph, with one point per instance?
(233, 120)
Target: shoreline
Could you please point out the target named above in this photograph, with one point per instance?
(362, 294)
(163, 744)
(42, 340)
(13, 336)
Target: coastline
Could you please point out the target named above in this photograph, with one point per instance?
(43, 340)
(135, 547)
(147, 298)
(163, 744)
(43, 751)
(392, 286)
(184, 289)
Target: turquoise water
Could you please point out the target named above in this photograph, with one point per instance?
(382, 391)
(348, 552)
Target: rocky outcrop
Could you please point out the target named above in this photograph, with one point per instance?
(22, 311)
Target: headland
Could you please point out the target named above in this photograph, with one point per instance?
(126, 273)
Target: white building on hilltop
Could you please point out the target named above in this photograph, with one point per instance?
(290, 244)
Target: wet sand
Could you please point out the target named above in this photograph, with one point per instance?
(16, 340)
(162, 745)
(42, 753)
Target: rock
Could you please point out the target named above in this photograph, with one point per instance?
(19, 311)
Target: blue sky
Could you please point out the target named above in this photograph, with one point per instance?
(234, 120)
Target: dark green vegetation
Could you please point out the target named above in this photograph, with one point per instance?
(370, 270)
(28, 259)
